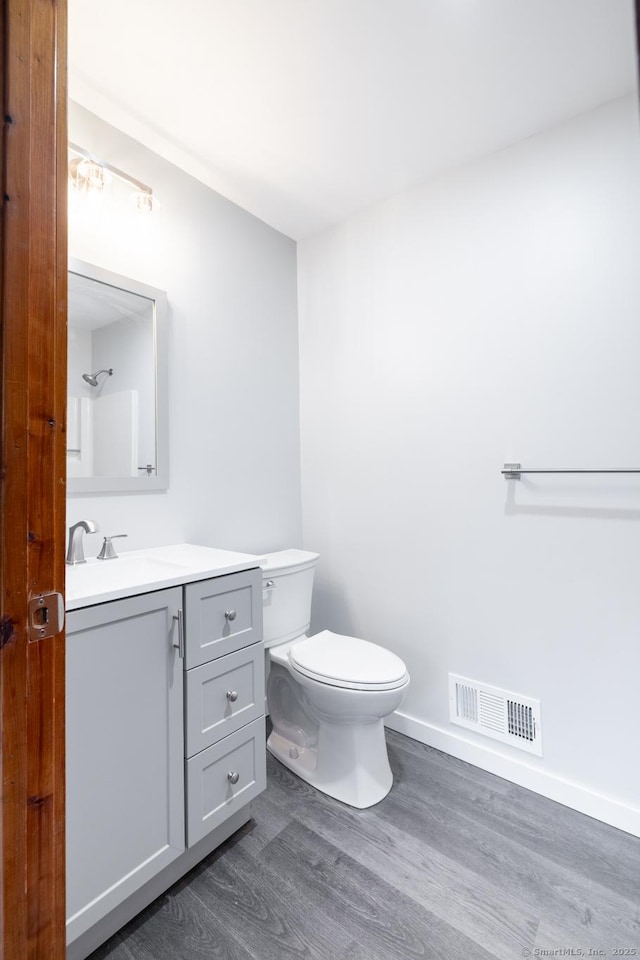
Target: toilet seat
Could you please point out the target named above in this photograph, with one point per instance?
(341, 661)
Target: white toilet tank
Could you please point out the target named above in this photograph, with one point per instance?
(287, 584)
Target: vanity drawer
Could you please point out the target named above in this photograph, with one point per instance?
(222, 615)
(211, 794)
(223, 695)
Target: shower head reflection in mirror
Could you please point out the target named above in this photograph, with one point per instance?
(92, 378)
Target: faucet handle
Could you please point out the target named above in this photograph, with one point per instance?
(108, 552)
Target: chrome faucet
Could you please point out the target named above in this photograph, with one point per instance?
(75, 552)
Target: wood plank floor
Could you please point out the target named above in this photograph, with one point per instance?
(454, 864)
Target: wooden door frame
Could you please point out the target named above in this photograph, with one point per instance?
(33, 308)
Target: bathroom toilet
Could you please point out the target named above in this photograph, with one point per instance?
(327, 694)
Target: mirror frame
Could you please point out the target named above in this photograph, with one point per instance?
(141, 484)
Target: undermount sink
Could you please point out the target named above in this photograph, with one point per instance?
(142, 571)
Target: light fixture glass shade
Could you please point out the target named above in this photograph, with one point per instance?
(87, 175)
(144, 201)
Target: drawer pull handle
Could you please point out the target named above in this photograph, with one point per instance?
(179, 619)
(233, 777)
(232, 695)
(230, 614)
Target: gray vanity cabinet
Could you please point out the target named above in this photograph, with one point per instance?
(165, 742)
(125, 787)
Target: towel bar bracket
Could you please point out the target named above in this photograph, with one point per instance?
(511, 471)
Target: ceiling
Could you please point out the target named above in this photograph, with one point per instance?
(306, 111)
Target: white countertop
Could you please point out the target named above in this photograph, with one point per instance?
(142, 571)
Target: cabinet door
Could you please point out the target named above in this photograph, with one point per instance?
(222, 615)
(125, 785)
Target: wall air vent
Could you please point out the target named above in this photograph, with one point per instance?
(499, 714)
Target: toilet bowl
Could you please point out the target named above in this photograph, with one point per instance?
(327, 694)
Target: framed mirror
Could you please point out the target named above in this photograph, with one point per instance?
(117, 402)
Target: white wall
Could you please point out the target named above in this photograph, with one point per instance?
(231, 285)
(489, 316)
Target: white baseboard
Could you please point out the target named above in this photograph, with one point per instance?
(575, 795)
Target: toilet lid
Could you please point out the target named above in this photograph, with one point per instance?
(348, 662)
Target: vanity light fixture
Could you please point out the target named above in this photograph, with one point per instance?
(89, 174)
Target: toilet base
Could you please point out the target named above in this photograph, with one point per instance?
(350, 762)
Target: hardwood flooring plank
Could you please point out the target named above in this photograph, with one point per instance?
(570, 839)
(267, 822)
(113, 949)
(176, 926)
(540, 883)
(610, 857)
(481, 911)
(437, 759)
(271, 919)
(552, 938)
(383, 919)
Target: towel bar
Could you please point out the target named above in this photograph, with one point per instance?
(513, 471)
